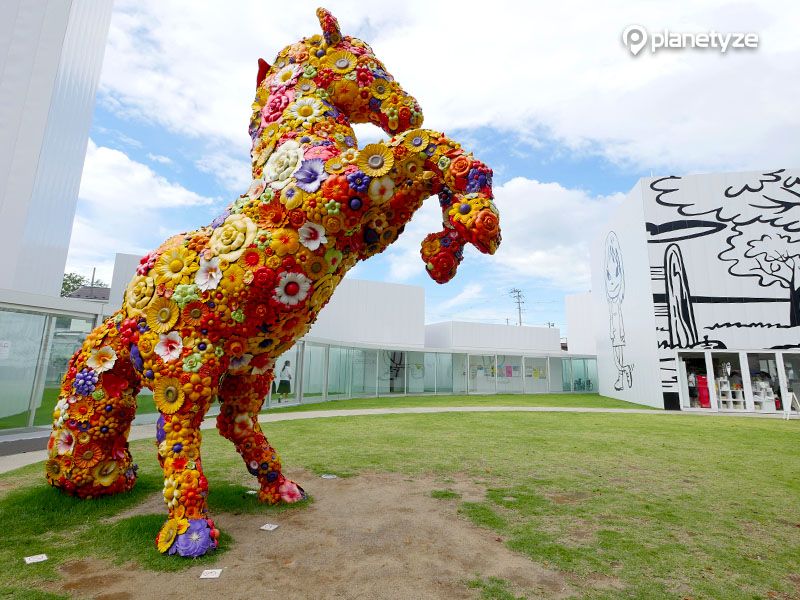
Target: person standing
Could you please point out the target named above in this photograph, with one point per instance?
(285, 381)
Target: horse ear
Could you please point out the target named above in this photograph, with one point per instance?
(330, 26)
(263, 67)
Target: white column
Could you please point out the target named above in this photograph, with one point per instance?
(712, 384)
(782, 380)
(747, 384)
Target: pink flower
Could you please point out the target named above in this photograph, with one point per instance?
(275, 106)
(169, 346)
(312, 235)
(290, 492)
(65, 443)
(323, 152)
(209, 274)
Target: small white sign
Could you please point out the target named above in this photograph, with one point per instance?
(29, 560)
(329, 476)
(269, 527)
(211, 574)
(252, 492)
(5, 349)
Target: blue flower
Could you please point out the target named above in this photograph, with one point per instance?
(359, 181)
(311, 174)
(195, 541)
(476, 179)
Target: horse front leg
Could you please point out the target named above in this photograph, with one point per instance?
(241, 397)
(183, 403)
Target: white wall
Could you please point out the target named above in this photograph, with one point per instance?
(631, 312)
(124, 270)
(580, 324)
(51, 53)
(489, 338)
(372, 312)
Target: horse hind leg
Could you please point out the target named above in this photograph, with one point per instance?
(241, 397)
(88, 447)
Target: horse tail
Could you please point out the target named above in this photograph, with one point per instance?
(88, 446)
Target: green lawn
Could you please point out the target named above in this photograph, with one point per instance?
(666, 506)
(566, 400)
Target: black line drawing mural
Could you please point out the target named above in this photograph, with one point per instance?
(757, 225)
(615, 295)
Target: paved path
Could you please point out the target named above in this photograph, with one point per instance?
(140, 432)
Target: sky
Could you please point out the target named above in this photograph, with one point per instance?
(545, 93)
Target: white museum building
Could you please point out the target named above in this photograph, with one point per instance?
(695, 301)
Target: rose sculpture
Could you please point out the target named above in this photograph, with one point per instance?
(209, 311)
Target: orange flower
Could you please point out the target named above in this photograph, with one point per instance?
(460, 166)
(272, 215)
(88, 455)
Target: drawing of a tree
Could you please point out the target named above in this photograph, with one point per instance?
(773, 258)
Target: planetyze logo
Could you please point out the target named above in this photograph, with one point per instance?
(636, 38)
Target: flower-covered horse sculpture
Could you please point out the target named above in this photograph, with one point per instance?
(210, 310)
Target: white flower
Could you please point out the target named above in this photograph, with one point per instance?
(209, 274)
(282, 164)
(285, 77)
(306, 108)
(292, 288)
(66, 441)
(102, 359)
(61, 406)
(256, 188)
(169, 346)
(381, 189)
(312, 235)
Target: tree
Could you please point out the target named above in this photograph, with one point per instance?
(773, 258)
(71, 282)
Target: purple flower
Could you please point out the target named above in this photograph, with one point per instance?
(195, 541)
(160, 433)
(349, 141)
(476, 179)
(220, 219)
(85, 381)
(311, 174)
(359, 181)
(136, 358)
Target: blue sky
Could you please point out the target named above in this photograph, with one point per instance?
(546, 95)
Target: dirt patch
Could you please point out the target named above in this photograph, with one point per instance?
(568, 498)
(370, 537)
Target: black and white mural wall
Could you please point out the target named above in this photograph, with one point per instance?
(724, 254)
(623, 318)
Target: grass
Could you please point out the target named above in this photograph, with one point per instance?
(663, 506)
(562, 400)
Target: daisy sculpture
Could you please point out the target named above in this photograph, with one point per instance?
(208, 312)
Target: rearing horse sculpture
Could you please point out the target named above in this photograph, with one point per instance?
(209, 311)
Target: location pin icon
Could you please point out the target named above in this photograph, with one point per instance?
(634, 37)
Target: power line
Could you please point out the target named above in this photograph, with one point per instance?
(519, 298)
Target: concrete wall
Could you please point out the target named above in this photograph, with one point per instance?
(51, 53)
(371, 312)
(580, 324)
(480, 337)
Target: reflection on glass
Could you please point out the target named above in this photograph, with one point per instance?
(444, 373)
(579, 374)
(338, 372)
(481, 374)
(791, 365)
(391, 372)
(284, 386)
(460, 363)
(363, 368)
(313, 372)
(416, 372)
(764, 380)
(591, 374)
(509, 374)
(429, 385)
(20, 343)
(693, 379)
(536, 375)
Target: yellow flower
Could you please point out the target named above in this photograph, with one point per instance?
(168, 395)
(416, 141)
(323, 290)
(375, 160)
(174, 265)
(162, 314)
(341, 61)
(335, 165)
(106, 472)
(380, 88)
(139, 293)
(285, 241)
(230, 239)
(169, 531)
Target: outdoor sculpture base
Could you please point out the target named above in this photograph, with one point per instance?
(210, 310)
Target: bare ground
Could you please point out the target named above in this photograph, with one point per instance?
(373, 536)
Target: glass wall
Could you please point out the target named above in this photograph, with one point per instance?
(509, 374)
(364, 364)
(791, 366)
(339, 372)
(536, 375)
(579, 374)
(481, 374)
(728, 382)
(693, 379)
(391, 372)
(313, 372)
(763, 368)
(284, 386)
(21, 345)
(416, 372)
(430, 373)
(444, 373)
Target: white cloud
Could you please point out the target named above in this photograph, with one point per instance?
(126, 207)
(471, 292)
(232, 173)
(159, 158)
(554, 69)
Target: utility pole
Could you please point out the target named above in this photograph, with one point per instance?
(519, 298)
